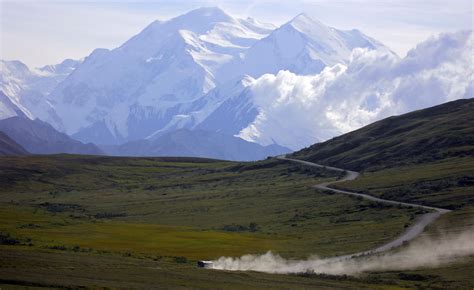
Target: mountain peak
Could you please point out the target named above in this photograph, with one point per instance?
(13, 64)
(198, 21)
(213, 14)
(304, 22)
(301, 17)
(208, 11)
(65, 67)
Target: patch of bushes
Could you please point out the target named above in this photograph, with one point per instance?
(180, 260)
(311, 170)
(28, 226)
(59, 248)
(109, 215)
(343, 219)
(255, 165)
(298, 217)
(151, 187)
(327, 192)
(82, 250)
(76, 249)
(379, 205)
(363, 279)
(252, 227)
(341, 175)
(6, 239)
(415, 277)
(61, 207)
(408, 191)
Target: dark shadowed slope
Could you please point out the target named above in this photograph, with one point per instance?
(199, 143)
(418, 137)
(8, 147)
(41, 138)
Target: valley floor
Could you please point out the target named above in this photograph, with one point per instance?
(70, 221)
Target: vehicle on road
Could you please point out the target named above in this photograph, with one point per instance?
(204, 264)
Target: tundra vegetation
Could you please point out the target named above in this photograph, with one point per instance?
(67, 220)
(73, 221)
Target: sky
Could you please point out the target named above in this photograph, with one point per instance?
(45, 32)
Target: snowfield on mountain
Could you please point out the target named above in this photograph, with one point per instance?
(207, 70)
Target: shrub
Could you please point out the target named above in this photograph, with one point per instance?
(60, 248)
(181, 260)
(108, 215)
(252, 227)
(6, 239)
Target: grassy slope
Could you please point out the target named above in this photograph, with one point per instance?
(446, 183)
(426, 156)
(170, 212)
(22, 266)
(422, 136)
(120, 193)
(456, 275)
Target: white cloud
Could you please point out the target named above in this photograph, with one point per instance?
(296, 111)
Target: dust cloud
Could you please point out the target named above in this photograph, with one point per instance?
(423, 252)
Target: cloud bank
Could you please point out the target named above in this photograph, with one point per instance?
(425, 252)
(297, 111)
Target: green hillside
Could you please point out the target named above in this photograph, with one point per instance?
(426, 157)
(422, 136)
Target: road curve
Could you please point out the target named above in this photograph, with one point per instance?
(409, 234)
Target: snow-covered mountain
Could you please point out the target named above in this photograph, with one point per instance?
(302, 46)
(24, 91)
(205, 70)
(174, 74)
(140, 87)
(9, 107)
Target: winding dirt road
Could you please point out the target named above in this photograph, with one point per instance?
(410, 233)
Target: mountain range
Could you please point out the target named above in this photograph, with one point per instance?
(8, 146)
(39, 137)
(210, 73)
(197, 143)
(166, 77)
